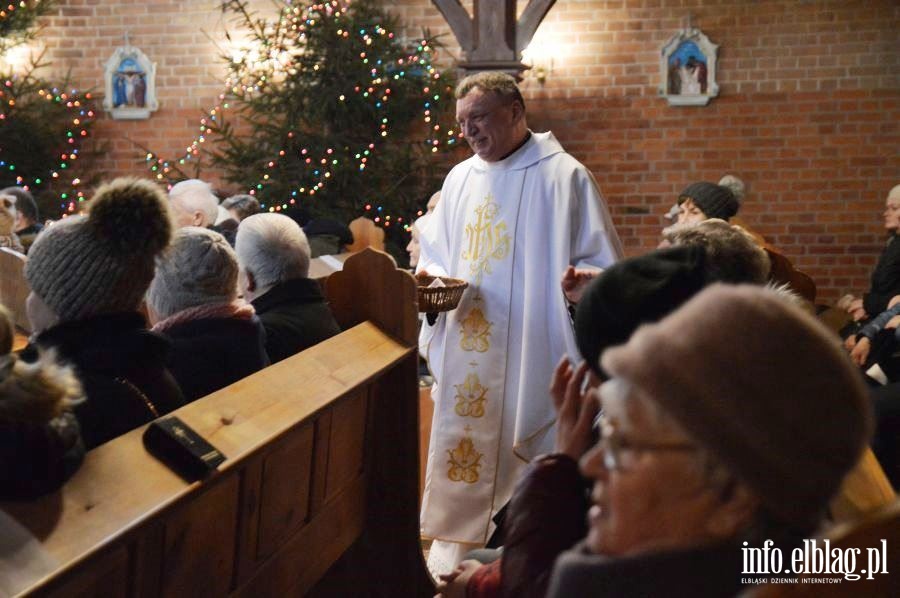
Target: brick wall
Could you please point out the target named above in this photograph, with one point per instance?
(185, 39)
(808, 110)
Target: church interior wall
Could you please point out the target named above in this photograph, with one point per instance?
(808, 113)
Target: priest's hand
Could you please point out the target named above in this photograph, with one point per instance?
(575, 281)
(575, 409)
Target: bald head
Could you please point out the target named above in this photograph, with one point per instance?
(433, 202)
(894, 194)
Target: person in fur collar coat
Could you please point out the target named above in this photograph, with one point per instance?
(40, 444)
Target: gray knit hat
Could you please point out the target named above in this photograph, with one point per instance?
(715, 201)
(762, 386)
(101, 263)
(199, 268)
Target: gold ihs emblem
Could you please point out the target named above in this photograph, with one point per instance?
(464, 462)
(470, 397)
(487, 240)
(475, 331)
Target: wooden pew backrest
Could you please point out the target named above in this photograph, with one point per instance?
(867, 533)
(14, 288)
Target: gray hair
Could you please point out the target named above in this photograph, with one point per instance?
(195, 195)
(25, 203)
(494, 82)
(199, 268)
(273, 248)
(243, 205)
(732, 255)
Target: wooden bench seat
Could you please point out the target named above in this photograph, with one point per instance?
(318, 495)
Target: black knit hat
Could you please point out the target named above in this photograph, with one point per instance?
(635, 291)
(715, 201)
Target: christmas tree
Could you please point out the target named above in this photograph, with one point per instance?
(326, 110)
(43, 124)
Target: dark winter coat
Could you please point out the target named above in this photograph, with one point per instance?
(37, 458)
(885, 279)
(122, 368)
(711, 572)
(295, 316)
(210, 353)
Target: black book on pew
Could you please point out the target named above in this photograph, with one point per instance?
(181, 448)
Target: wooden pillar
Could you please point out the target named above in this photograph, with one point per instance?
(492, 39)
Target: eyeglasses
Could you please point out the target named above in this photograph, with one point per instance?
(479, 118)
(619, 453)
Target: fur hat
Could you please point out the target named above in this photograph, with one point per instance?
(632, 292)
(198, 269)
(762, 386)
(101, 263)
(713, 200)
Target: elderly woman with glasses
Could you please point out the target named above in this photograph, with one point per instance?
(714, 437)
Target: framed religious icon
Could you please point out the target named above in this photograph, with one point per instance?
(130, 84)
(688, 69)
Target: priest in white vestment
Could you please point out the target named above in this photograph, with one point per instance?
(511, 219)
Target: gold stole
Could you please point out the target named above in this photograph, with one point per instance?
(469, 402)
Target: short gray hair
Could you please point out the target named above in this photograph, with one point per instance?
(491, 81)
(195, 195)
(273, 248)
(732, 255)
(243, 205)
(25, 203)
(199, 268)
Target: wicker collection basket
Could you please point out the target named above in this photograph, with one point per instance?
(438, 299)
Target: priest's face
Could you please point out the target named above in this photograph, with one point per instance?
(492, 125)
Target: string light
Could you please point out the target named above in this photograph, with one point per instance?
(7, 10)
(256, 69)
(80, 108)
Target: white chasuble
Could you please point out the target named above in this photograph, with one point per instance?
(510, 229)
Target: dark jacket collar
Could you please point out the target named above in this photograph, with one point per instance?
(297, 290)
(106, 341)
(211, 328)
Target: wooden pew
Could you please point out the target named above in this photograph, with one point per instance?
(868, 533)
(318, 495)
(320, 268)
(366, 234)
(13, 286)
(864, 490)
